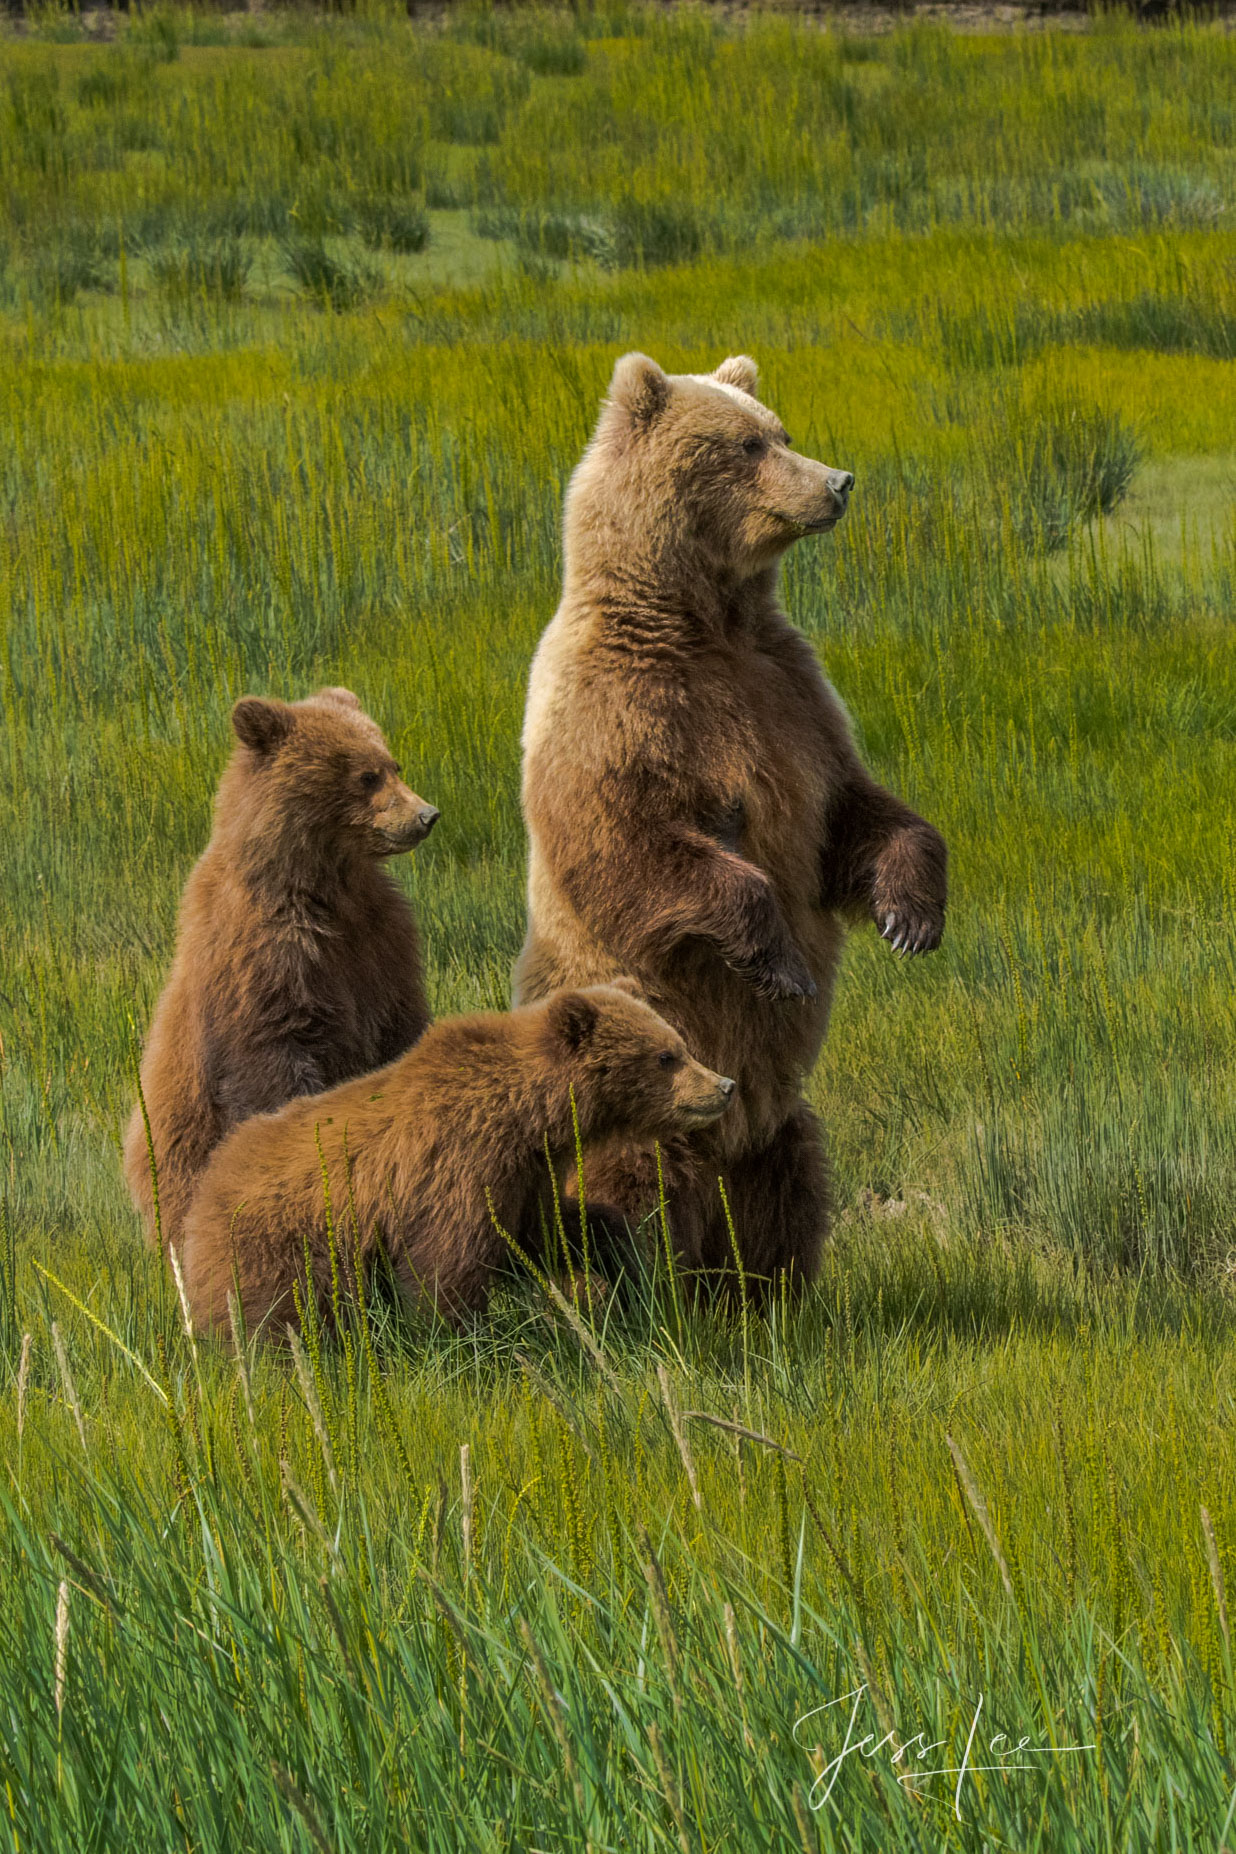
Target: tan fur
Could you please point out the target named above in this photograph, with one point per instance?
(297, 958)
(416, 1154)
(697, 812)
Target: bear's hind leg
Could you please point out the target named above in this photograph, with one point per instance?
(779, 1201)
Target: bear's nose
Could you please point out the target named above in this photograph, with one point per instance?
(726, 1087)
(429, 816)
(845, 481)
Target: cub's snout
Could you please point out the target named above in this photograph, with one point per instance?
(703, 1095)
(405, 820)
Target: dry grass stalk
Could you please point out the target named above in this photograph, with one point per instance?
(671, 1410)
(669, 1789)
(555, 1712)
(1216, 1577)
(66, 1379)
(62, 1645)
(242, 1356)
(313, 1404)
(979, 1508)
(465, 1483)
(655, 1579)
(741, 1431)
(182, 1295)
(23, 1382)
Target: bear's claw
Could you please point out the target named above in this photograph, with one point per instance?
(782, 984)
(910, 936)
(789, 979)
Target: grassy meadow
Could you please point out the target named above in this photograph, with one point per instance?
(303, 325)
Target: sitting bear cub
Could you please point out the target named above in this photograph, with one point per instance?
(421, 1158)
(297, 958)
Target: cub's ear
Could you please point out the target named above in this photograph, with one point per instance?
(573, 1018)
(630, 985)
(640, 388)
(342, 698)
(740, 371)
(260, 724)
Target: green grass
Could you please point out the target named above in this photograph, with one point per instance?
(257, 432)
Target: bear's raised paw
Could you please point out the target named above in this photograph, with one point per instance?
(912, 933)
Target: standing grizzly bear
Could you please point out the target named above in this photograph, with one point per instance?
(416, 1157)
(297, 958)
(697, 812)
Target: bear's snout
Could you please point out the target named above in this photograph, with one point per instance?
(707, 1095)
(813, 496)
(405, 822)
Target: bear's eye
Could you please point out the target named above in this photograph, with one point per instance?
(753, 446)
(668, 1059)
(371, 780)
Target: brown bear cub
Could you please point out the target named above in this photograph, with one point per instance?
(414, 1158)
(698, 814)
(297, 958)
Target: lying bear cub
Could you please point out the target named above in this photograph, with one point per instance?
(297, 958)
(414, 1157)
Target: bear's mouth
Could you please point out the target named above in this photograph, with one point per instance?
(700, 1115)
(822, 525)
(396, 840)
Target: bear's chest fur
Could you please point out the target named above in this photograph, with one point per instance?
(733, 731)
(757, 743)
(314, 972)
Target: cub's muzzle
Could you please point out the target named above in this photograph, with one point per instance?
(406, 825)
(713, 1097)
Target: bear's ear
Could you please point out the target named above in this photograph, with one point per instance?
(260, 724)
(640, 387)
(342, 698)
(740, 371)
(573, 1018)
(631, 986)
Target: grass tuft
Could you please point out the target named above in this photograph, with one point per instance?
(392, 224)
(333, 282)
(195, 268)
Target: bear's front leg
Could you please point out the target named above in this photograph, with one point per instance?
(883, 859)
(910, 889)
(261, 1075)
(645, 892)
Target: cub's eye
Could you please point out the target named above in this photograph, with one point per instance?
(370, 781)
(753, 446)
(667, 1059)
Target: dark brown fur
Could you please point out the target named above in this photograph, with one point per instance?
(416, 1154)
(697, 812)
(297, 958)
